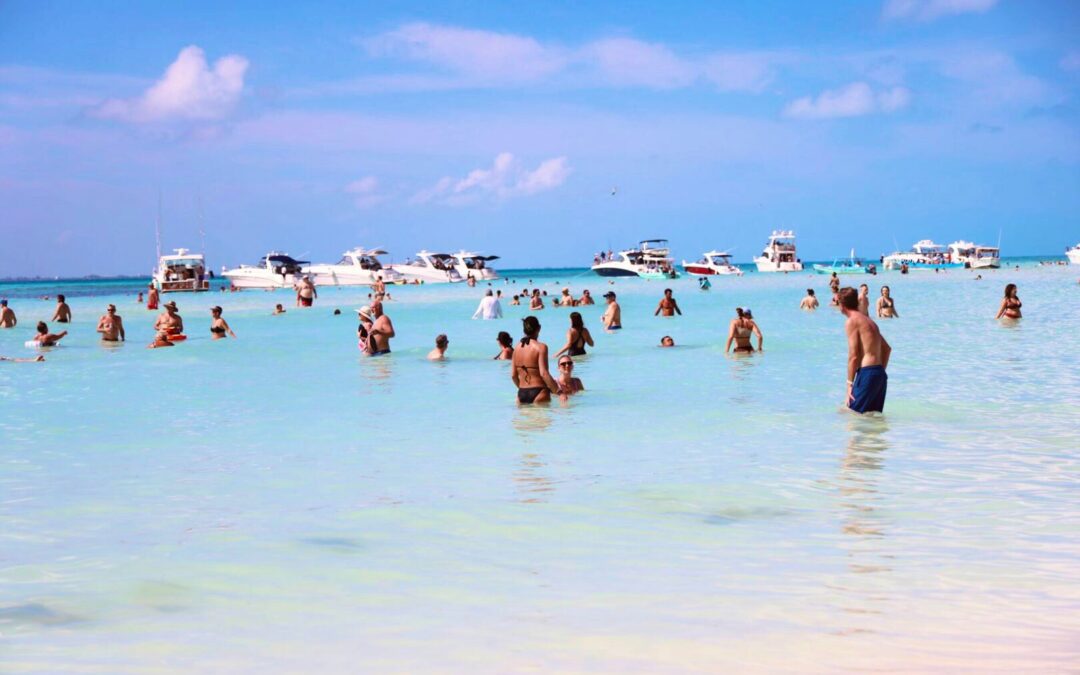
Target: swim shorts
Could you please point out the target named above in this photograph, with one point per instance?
(868, 391)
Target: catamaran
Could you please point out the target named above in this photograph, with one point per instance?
(357, 267)
(650, 260)
(712, 262)
(779, 254)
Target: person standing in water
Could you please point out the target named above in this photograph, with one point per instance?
(886, 306)
(864, 299)
(529, 366)
(170, 320)
(536, 302)
(305, 292)
(742, 326)
(152, 297)
(577, 337)
(586, 299)
(489, 307)
(612, 317)
(868, 357)
(810, 301)
(63, 312)
(218, 326)
(111, 326)
(668, 305)
(382, 330)
(7, 316)
(439, 353)
(1010, 304)
(704, 283)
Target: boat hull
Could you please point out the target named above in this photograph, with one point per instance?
(830, 269)
(770, 266)
(341, 275)
(187, 286)
(1073, 254)
(427, 275)
(699, 270)
(612, 271)
(259, 279)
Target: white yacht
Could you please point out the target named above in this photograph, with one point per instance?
(779, 254)
(357, 267)
(466, 263)
(713, 262)
(1073, 254)
(429, 268)
(181, 271)
(274, 270)
(974, 256)
(924, 255)
(650, 260)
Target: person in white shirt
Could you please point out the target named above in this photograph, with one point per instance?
(489, 307)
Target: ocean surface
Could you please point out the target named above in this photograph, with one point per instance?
(280, 503)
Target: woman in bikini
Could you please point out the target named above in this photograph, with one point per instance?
(570, 384)
(506, 347)
(218, 326)
(530, 366)
(886, 306)
(741, 328)
(1010, 304)
(576, 338)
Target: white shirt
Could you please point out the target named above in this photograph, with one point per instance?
(489, 308)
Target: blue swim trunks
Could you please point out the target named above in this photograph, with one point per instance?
(869, 389)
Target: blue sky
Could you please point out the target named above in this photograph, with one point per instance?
(506, 129)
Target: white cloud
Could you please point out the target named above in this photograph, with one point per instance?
(854, 100)
(365, 192)
(190, 90)
(928, 10)
(504, 180)
(627, 62)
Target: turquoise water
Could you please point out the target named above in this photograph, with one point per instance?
(280, 503)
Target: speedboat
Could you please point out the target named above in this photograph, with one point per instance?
(357, 267)
(924, 255)
(650, 260)
(852, 265)
(467, 263)
(713, 262)
(429, 268)
(1073, 254)
(274, 270)
(181, 271)
(779, 254)
(974, 256)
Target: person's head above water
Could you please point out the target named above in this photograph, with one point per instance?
(531, 326)
(1010, 290)
(848, 298)
(864, 287)
(667, 341)
(60, 297)
(610, 295)
(489, 292)
(504, 339)
(441, 341)
(810, 292)
(667, 291)
(576, 321)
(42, 327)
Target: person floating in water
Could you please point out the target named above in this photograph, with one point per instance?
(577, 337)
(36, 359)
(886, 306)
(218, 326)
(63, 312)
(1010, 304)
(278, 309)
(441, 343)
(612, 317)
(704, 283)
(570, 385)
(46, 339)
(810, 301)
(111, 326)
(7, 316)
(529, 366)
(742, 326)
(668, 305)
(868, 357)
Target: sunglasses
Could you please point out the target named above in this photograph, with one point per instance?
(566, 364)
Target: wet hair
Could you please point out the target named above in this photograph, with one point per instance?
(337, 311)
(42, 327)
(1009, 290)
(809, 291)
(666, 291)
(505, 340)
(441, 340)
(531, 326)
(60, 298)
(848, 298)
(576, 321)
(3, 303)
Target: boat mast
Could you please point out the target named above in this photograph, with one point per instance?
(157, 226)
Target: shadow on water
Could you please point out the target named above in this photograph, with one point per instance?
(862, 521)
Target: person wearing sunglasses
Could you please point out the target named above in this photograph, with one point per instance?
(568, 383)
(111, 326)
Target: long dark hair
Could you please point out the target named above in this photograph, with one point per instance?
(738, 310)
(1009, 290)
(531, 326)
(505, 340)
(575, 320)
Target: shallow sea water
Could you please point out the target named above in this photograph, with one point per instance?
(280, 503)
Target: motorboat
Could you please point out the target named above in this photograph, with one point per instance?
(274, 270)
(779, 254)
(1073, 254)
(650, 260)
(924, 255)
(357, 267)
(974, 256)
(429, 268)
(181, 271)
(467, 263)
(713, 262)
(852, 265)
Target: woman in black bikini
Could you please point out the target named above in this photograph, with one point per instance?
(218, 326)
(576, 338)
(886, 306)
(1010, 304)
(530, 366)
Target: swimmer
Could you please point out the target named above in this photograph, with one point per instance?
(7, 316)
(46, 339)
(886, 306)
(536, 302)
(138, 300)
(506, 347)
(337, 312)
(577, 337)
(111, 326)
(704, 283)
(170, 320)
(810, 301)
(612, 317)
(667, 341)
(868, 357)
(278, 309)
(586, 299)
(36, 359)
(152, 297)
(570, 384)
(530, 372)
(1010, 304)
(63, 312)
(567, 300)
(741, 328)
(439, 353)
(382, 329)
(218, 326)
(161, 339)
(668, 305)
(864, 299)
(515, 300)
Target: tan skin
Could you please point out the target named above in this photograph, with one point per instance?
(570, 384)
(1010, 306)
(586, 299)
(573, 336)
(62, 313)
(866, 345)
(612, 315)
(48, 339)
(668, 306)
(536, 302)
(529, 368)
(111, 326)
(742, 342)
(152, 298)
(886, 306)
(382, 329)
(7, 317)
(160, 340)
(170, 322)
(864, 299)
(809, 302)
(218, 322)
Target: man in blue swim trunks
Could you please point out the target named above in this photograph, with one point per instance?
(868, 356)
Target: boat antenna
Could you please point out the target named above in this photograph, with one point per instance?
(157, 225)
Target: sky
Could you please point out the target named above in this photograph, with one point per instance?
(541, 132)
